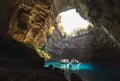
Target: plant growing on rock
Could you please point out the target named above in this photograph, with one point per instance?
(43, 54)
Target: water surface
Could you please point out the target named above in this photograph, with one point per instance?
(91, 72)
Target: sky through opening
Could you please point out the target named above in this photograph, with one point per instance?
(71, 20)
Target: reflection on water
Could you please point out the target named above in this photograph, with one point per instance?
(90, 72)
(70, 66)
(64, 66)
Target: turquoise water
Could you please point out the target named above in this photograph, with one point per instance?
(70, 66)
(91, 72)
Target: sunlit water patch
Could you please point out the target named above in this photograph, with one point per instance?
(70, 66)
(89, 71)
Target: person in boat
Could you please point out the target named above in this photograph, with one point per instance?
(74, 60)
(64, 60)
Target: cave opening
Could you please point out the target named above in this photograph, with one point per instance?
(76, 39)
(71, 22)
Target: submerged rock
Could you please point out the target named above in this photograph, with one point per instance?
(30, 75)
(75, 77)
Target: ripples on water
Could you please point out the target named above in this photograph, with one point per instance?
(90, 72)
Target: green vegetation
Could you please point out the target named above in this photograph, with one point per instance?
(79, 31)
(50, 30)
(43, 54)
(30, 45)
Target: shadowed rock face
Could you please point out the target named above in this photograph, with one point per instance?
(17, 55)
(55, 42)
(93, 46)
(7, 9)
(103, 12)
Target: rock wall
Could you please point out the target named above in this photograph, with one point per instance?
(91, 45)
(31, 22)
(99, 12)
(103, 12)
(7, 9)
(55, 42)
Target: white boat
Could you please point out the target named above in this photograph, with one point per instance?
(64, 61)
(74, 61)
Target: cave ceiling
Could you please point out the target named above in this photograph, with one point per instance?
(102, 13)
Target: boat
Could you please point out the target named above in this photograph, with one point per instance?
(74, 61)
(64, 61)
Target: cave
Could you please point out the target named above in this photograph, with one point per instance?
(32, 41)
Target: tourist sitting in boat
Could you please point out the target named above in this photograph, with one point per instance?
(64, 60)
(74, 60)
